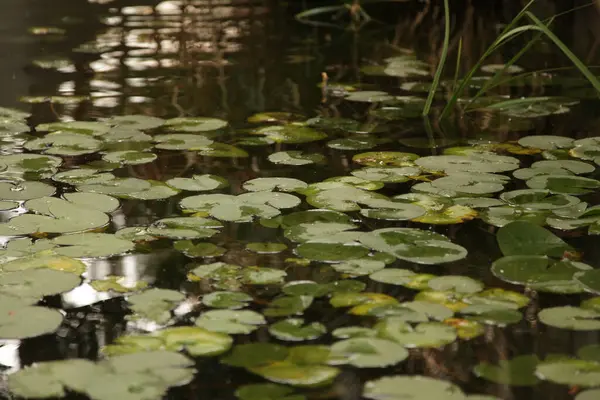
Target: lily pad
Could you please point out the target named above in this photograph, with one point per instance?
(199, 183)
(65, 144)
(130, 157)
(293, 133)
(195, 124)
(296, 158)
(564, 184)
(367, 352)
(295, 330)
(230, 321)
(155, 304)
(21, 191)
(414, 245)
(91, 245)
(541, 273)
(525, 238)
(570, 372)
(411, 387)
(425, 334)
(519, 371)
(571, 318)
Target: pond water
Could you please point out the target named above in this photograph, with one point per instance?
(216, 200)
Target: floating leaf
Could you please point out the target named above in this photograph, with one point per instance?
(546, 142)
(192, 250)
(570, 372)
(540, 273)
(525, 238)
(296, 158)
(479, 163)
(230, 321)
(564, 184)
(129, 157)
(367, 352)
(266, 248)
(295, 330)
(195, 124)
(185, 228)
(273, 184)
(196, 341)
(23, 322)
(267, 391)
(519, 371)
(199, 183)
(425, 334)
(293, 133)
(230, 300)
(572, 318)
(141, 122)
(155, 304)
(415, 245)
(411, 387)
(25, 190)
(91, 245)
(65, 144)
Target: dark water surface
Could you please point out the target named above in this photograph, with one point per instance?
(230, 59)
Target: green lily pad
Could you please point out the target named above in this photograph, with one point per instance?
(519, 371)
(80, 127)
(571, 318)
(294, 133)
(21, 191)
(195, 124)
(129, 157)
(564, 184)
(531, 199)
(54, 216)
(24, 321)
(480, 163)
(546, 142)
(185, 228)
(330, 252)
(267, 391)
(367, 352)
(414, 245)
(155, 304)
(492, 314)
(88, 176)
(296, 158)
(411, 387)
(438, 210)
(204, 249)
(255, 354)
(132, 376)
(222, 150)
(199, 183)
(588, 395)
(266, 248)
(131, 188)
(359, 267)
(230, 321)
(273, 184)
(525, 238)
(30, 285)
(570, 372)
(229, 300)
(425, 334)
(45, 259)
(180, 141)
(369, 96)
(540, 273)
(387, 174)
(288, 305)
(456, 283)
(589, 279)
(118, 284)
(504, 215)
(91, 245)
(196, 341)
(295, 330)
(141, 122)
(65, 144)
(354, 143)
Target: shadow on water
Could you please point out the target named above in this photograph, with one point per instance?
(230, 59)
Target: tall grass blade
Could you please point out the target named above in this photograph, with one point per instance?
(494, 81)
(574, 59)
(500, 40)
(457, 66)
(442, 62)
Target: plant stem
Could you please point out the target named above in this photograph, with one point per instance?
(442, 62)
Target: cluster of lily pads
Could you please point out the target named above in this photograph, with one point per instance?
(370, 240)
